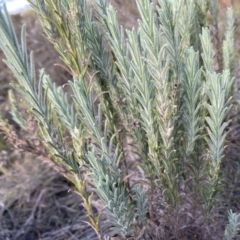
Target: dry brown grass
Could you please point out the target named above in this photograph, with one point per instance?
(38, 203)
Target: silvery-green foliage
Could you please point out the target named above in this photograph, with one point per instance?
(16, 113)
(228, 44)
(192, 100)
(233, 226)
(141, 207)
(214, 10)
(218, 90)
(157, 85)
(208, 51)
(24, 70)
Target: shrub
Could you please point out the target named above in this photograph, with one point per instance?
(143, 128)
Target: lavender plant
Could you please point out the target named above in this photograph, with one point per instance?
(232, 228)
(156, 85)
